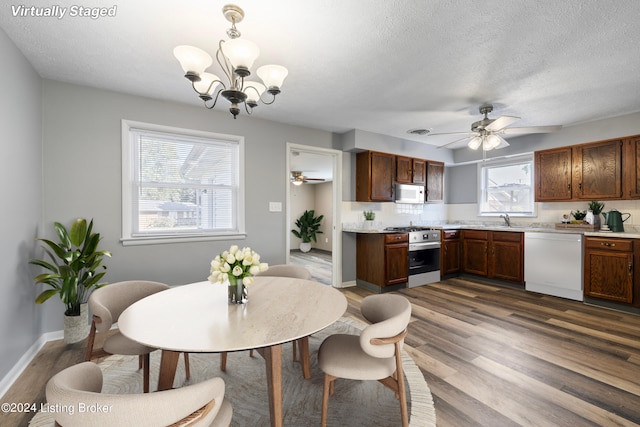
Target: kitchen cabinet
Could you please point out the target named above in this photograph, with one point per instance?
(494, 254)
(475, 246)
(375, 174)
(608, 269)
(590, 171)
(435, 181)
(506, 256)
(631, 165)
(597, 170)
(450, 252)
(410, 170)
(553, 174)
(382, 259)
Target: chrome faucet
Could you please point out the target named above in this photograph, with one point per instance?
(506, 218)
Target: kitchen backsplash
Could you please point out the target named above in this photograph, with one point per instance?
(548, 214)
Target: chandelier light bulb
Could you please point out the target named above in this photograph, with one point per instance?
(192, 59)
(241, 53)
(253, 90)
(206, 85)
(272, 75)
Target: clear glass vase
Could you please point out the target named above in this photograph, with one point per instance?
(238, 293)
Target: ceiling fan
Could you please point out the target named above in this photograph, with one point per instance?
(486, 132)
(297, 178)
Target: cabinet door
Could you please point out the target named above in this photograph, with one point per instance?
(419, 171)
(597, 170)
(631, 172)
(435, 182)
(474, 256)
(404, 172)
(609, 275)
(506, 257)
(375, 173)
(396, 263)
(450, 257)
(553, 174)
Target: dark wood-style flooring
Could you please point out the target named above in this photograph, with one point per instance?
(491, 355)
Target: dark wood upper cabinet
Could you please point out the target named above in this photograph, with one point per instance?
(419, 168)
(593, 171)
(597, 170)
(553, 174)
(631, 173)
(435, 181)
(410, 170)
(375, 174)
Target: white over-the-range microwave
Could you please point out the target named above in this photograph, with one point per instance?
(409, 193)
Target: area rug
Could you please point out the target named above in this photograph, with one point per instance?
(355, 403)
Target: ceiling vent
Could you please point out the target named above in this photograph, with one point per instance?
(419, 131)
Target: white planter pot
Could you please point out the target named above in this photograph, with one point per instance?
(368, 225)
(305, 247)
(76, 328)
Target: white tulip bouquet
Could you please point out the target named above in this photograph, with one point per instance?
(236, 264)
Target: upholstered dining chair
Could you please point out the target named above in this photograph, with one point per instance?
(200, 404)
(106, 304)
(278, 270)
(375, 354)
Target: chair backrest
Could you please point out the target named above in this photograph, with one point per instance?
(389, 315)
(287, 270)
(109, 301)
(81, 384)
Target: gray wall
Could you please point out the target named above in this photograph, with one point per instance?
(21, 177)
(82, 148)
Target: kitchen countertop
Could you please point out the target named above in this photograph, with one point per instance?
(515, 228)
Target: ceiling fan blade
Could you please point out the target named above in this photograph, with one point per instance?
(532, 129)
(457, 140)
(452, 133)
(314, 179)
(501, 123)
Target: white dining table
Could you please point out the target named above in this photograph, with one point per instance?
(197, 318)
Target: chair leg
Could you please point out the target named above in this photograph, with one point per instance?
(90, 341)
(145, 373)
(223, 361)
(295, 351)
(326, 391)
(187, 367)
(401, 391)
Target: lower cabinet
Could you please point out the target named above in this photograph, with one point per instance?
(608, 269)
(494, 254)
(382, 259)
(450, 252)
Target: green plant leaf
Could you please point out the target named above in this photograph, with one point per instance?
(78, 231)
(45, 295)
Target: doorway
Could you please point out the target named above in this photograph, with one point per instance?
(318, 166)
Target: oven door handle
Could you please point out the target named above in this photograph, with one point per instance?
(422, 246)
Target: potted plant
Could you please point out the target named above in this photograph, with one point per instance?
(308, 226)
(596, 207)
(74, 268)
(369, 216)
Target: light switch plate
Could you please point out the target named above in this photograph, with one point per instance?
(275, 207)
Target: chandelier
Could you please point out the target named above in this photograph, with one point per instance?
(236, 57)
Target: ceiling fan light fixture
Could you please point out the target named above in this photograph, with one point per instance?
(475, 143)
(491, 142)
(297, 182)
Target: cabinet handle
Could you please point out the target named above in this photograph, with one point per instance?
(630, 267)
(568, 187)
(612, 245)
(580, 186)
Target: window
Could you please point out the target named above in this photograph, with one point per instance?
(180, 185)
(506, 186)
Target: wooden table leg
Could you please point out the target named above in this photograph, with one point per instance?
(304, 354)
(273, 361)
(168, 366)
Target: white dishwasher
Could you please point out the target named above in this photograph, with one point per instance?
(553, 264)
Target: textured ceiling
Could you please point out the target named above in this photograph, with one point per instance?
(383, 66)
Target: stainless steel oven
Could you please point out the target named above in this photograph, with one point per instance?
(424, 255)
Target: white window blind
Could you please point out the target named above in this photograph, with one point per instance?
(181, 184)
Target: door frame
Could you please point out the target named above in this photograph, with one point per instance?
(336, 191)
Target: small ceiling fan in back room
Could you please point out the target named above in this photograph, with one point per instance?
(486, 132)
(297, 178)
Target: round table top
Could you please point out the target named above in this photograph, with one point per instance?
(198, 318)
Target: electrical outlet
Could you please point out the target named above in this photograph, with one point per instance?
(326, 240)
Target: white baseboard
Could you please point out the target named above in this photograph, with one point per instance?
(347, 284)
(26, 358)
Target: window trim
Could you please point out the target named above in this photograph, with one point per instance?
(127, 238)
(505, 162)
